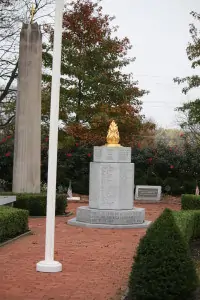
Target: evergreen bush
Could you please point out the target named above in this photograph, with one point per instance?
(163, 268)
(190, 202)
(175, 184)
(13, 222)
(36, 203)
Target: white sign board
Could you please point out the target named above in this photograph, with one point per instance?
(148, 193)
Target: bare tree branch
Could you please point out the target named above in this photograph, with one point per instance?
(9, 83)
(7, 122)
(12, 15)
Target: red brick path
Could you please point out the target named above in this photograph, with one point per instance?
(96, 262)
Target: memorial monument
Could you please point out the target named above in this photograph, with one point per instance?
(111, 189)
(27, 147)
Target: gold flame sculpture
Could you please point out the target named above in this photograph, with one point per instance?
(113, 135)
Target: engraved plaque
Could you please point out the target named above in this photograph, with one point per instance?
(149, 193)
(108, 187)
(124, 154)
(111, 185)
(112, 154)
(94, 193)
(109, 155)
(97, 153)
(104, 216)
(126, 185)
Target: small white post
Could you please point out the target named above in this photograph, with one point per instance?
(49, 264)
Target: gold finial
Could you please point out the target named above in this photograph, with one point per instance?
(32, 13)
(113, 135)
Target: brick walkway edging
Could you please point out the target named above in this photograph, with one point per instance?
(29, 232)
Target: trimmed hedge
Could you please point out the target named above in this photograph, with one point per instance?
(36, 203)
(191, 202)
(188, 222)
(163, 267)
(13, 222)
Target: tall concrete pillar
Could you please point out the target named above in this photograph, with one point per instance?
(27, 148)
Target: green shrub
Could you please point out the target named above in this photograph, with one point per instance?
(163, 268)
(189, 186)
(186, 220)
(141, 180)
(154, 180)
(61, 204)
(36, 203)
(13, 222)
(191, 202)
(175, 185)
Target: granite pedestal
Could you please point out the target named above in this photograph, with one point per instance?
(111, 191)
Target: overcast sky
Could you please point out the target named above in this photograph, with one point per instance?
(159, 33)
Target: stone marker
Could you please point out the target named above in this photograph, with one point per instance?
(148, 193)
(7, 200)
(27, 147)
(111, 189)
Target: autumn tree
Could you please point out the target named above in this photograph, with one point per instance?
(191, 111)
(128, 119)
(94, 88)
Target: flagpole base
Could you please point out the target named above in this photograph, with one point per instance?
(49, 266)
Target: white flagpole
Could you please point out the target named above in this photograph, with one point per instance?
(49, 264)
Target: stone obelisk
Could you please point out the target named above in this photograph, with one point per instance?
(27, 148)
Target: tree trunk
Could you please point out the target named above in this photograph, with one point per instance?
(79, 101)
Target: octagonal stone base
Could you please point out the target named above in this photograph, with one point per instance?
(95, 218)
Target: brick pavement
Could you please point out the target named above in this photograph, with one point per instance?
(96, 262)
